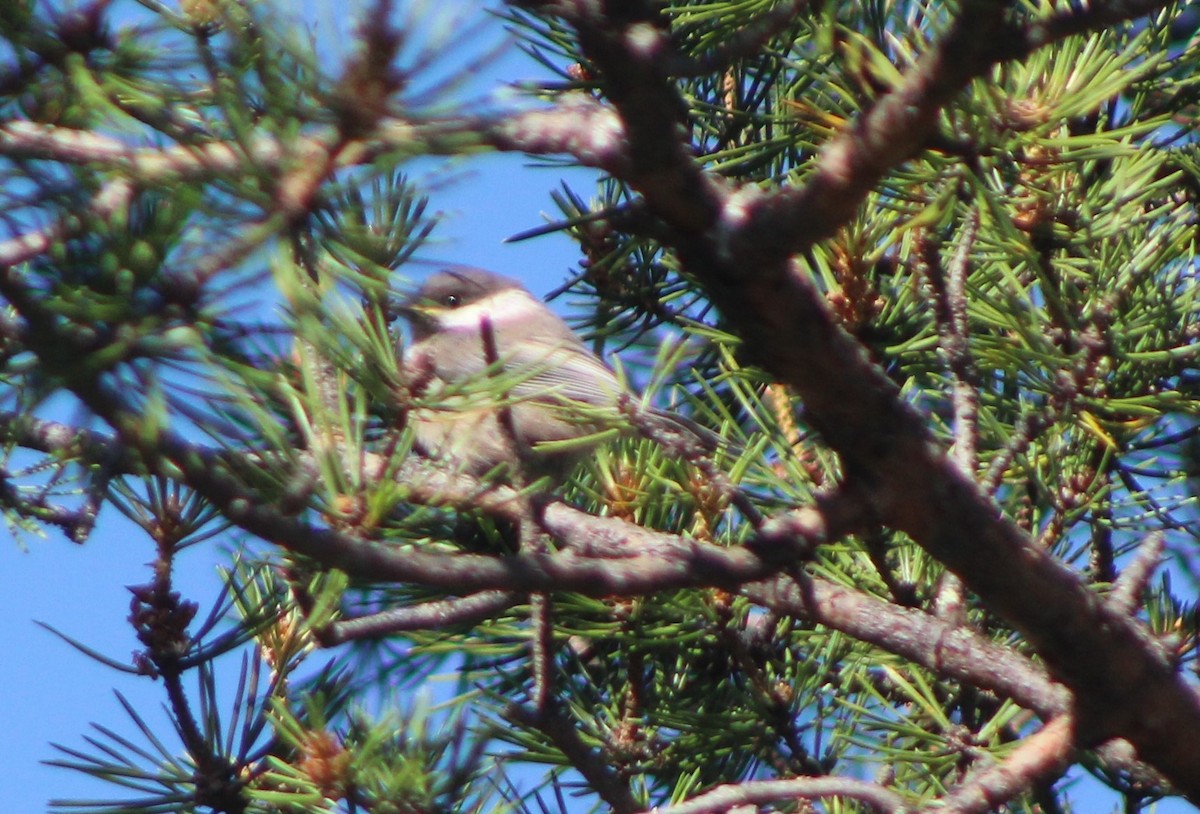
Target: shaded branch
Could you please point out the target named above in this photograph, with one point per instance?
(946, 649)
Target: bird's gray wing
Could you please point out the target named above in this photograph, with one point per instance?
(565, 371)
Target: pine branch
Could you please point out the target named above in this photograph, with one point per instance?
(579, 126)
(1042, 756)
(606, 556)
(738, 245)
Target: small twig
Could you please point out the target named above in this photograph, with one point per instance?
(902, 593)
(541, 651)
(1082, 19)
(150, 165)
(105, 204)
(789, 536)
(776, 709)
(761, 792)
(436, 615)
(160, 619)
(599, 773)
(1025, 430)
(1102, 565)
(958, 350)
(950, 312)
(1127, 593)
(75, 523)
(531, 540)
(504, 413)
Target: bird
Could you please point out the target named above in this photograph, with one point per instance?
(551, 400)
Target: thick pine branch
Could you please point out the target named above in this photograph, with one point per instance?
(739, 245)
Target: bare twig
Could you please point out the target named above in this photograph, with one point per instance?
(600, 775)
(1127, 593)
(950, 311)
(76, 523)
(436, 615)
(541, 651)
(956, 343)
(150, 165)
(530, 537)
(160, 619)
(762, 792)
(1024, 431)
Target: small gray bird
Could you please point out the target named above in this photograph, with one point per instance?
(468, 324)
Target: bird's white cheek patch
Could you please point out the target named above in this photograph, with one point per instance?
(510, 307)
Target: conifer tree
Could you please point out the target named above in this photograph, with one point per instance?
(928, 271)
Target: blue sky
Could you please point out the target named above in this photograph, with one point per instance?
(53, 692)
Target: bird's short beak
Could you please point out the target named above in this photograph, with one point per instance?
(413, 308)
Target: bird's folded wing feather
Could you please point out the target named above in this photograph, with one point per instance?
(566, 371)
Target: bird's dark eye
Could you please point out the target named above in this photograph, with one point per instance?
(451, 300)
